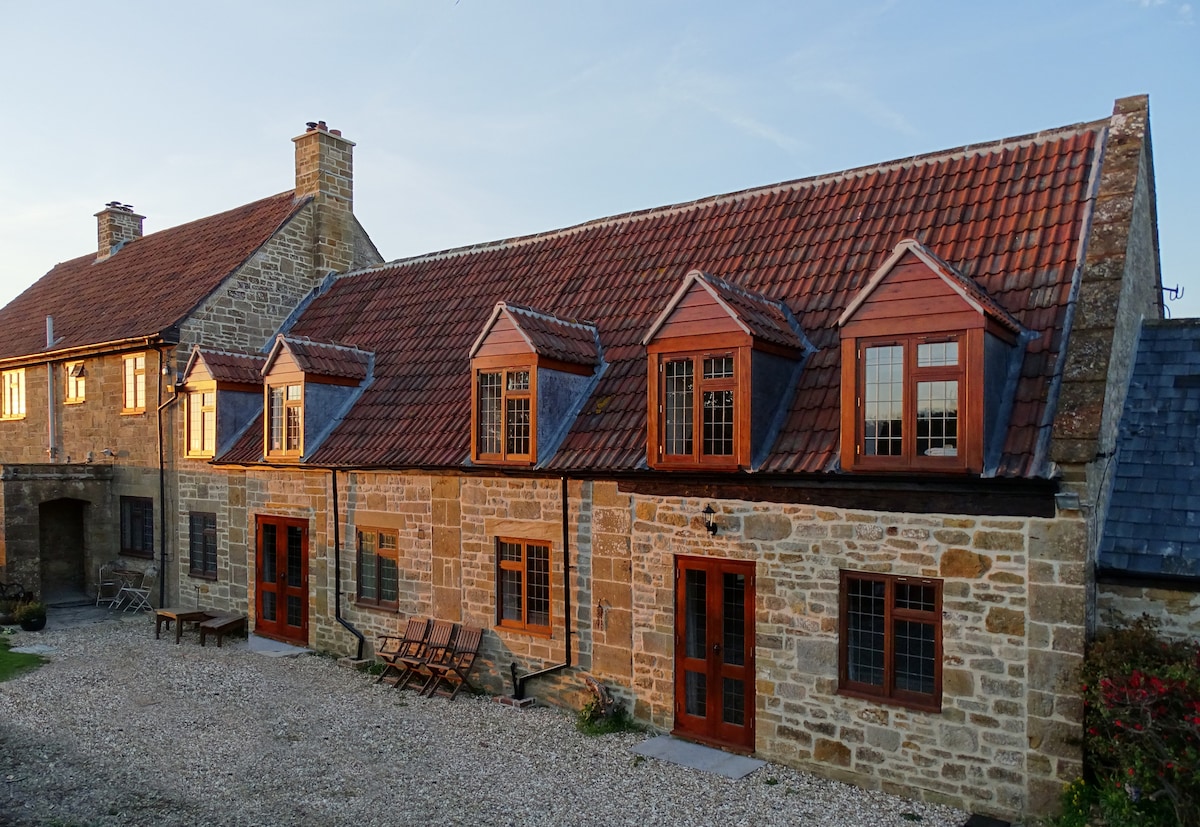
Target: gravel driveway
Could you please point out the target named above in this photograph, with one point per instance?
(120, 728)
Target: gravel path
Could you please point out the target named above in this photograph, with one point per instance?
(122, 729)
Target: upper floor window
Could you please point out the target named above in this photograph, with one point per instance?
(523, 585)
(504, 418)
(285, 419)
(202, 544)
(697, 410)
(137, 526)
(378, 572)
(909, 410)
(13, 382)
(75, 383)
(202, 423)
(891, 639)
(134, 384)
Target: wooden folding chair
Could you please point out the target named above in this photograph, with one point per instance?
(391, 648)
(435, 649)
(453, 671)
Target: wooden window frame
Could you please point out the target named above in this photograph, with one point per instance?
(968, 373)
(12, 387)
(377, 600)
(887, 692)
(505, 367)
(202, 544)
(133, 383)
(206, 428)
(76, 389)
(142, 509)
(545, 582)
(739, 384)
(287, 406)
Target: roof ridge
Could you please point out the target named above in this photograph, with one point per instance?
(1041, 136)
(542, 314)
(310, 341)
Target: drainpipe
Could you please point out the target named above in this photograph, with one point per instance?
(519, 681)
(162, 478)
(337, 569)
(51, 448)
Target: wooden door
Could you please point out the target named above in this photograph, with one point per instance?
(281, 609)
(714, 652)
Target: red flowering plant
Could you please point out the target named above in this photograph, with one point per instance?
(1142, 721)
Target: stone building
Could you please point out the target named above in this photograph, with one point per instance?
(815, 470)
(92, 429)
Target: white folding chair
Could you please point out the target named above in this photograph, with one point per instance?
(108, 587)
(139, 596)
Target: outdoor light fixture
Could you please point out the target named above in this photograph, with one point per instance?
(710, 521)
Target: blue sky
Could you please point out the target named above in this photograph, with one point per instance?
(480, 119)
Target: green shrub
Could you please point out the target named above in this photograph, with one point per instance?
(592, 721)
(1142, 727)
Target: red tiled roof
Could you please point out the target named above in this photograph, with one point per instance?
(762, 318)
(146, 288)
(322, 358)
(223, 366)
(1008, 215)
(550, 336)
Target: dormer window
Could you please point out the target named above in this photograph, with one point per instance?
(530, 372)
(224, 395)
(505, 425)
(915, 343)
(708, 347)
(285, 415)
(307, 387)
(202, 422)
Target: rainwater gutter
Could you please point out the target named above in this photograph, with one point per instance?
(337, 569)
(519, 681)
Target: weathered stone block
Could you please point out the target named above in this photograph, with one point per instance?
(1001, 621)
(958, 562)
(768, 527)
(831, 752)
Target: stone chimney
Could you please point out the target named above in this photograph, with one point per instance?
(116, 225)
(325, 171)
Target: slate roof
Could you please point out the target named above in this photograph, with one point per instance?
(1153, 523)
(1009, 215)
(146, 288)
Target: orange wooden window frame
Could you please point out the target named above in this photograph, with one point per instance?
(739, 383)
(522, 566)
(504, 366)
(287, 450)
(133, 383)
(969, 375)
(195, 428)
(887, 692)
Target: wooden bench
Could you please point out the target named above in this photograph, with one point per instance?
(221, 625)
(179, 617)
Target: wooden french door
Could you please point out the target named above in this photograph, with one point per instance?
(281, 580)
(714, 652)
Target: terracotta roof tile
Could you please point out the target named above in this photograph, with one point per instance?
(146, 288)
(322, 358)
(238, 368)
(811, 244)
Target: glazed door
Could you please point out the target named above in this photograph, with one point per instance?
(714, 652)
(282, 579)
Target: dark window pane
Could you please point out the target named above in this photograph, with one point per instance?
(865, 626)
(914, 656)
(677, 407)
(883, 408)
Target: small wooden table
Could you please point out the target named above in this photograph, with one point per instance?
(180, 616)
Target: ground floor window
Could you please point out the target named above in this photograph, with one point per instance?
(137, 526)
(523, 584)
(891, 638)
(378, 575)
(202, 544)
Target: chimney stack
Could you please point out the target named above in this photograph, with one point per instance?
(325, 171)
(116, 225)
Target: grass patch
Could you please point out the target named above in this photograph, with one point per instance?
(14, 663)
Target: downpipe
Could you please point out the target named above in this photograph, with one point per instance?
(519, 681)
(337, 570)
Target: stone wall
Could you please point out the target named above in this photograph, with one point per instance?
(1176, 609)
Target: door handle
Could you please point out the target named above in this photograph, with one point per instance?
(716, 648)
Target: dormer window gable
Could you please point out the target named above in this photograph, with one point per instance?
(531, 372)
(926, 354)
(222, 396)
(307, 388)
(723, 363)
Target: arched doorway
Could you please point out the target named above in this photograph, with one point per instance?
(61, 549)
